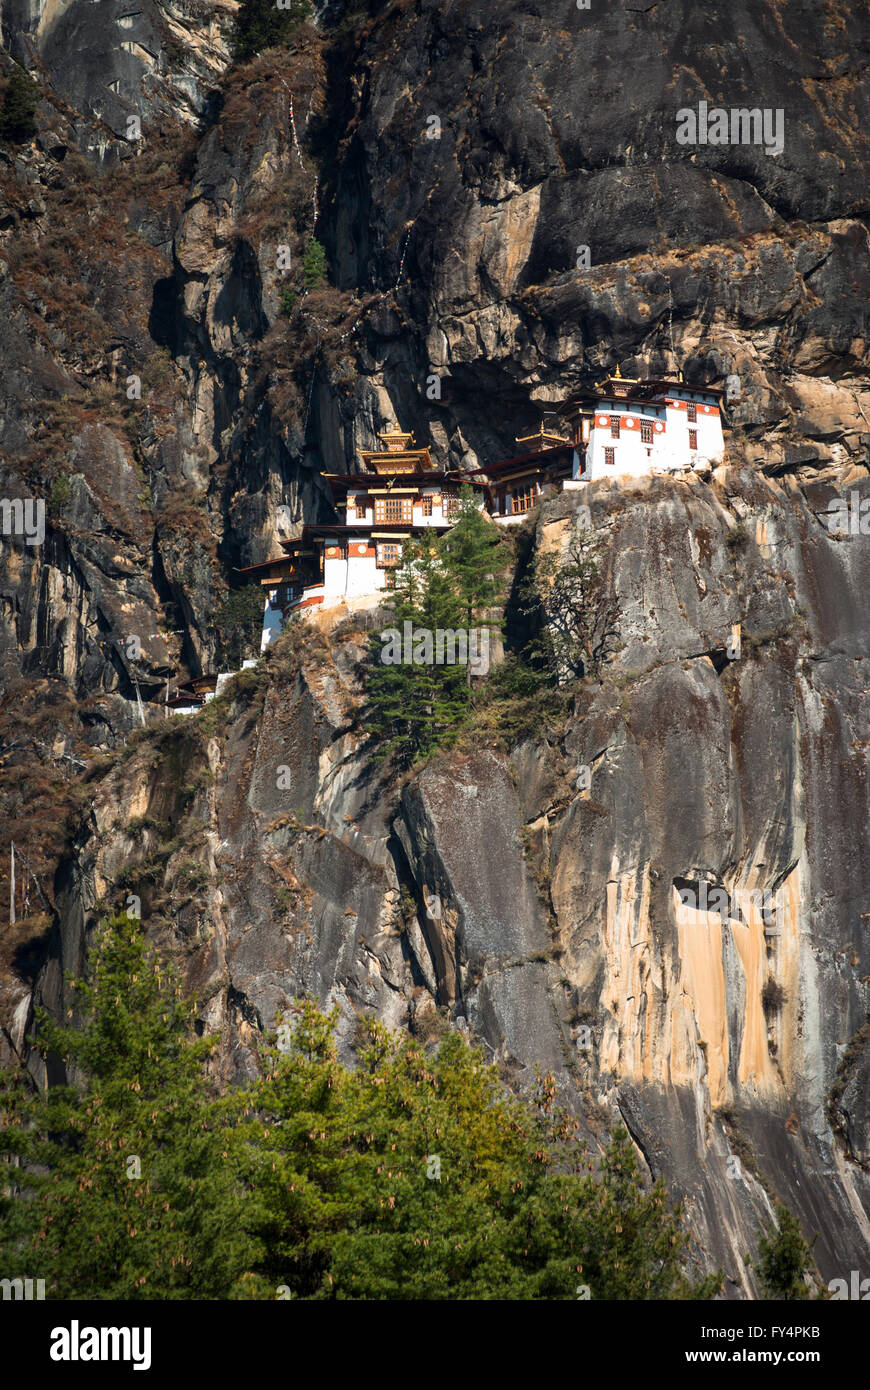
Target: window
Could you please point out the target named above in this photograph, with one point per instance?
(693, 439)
(522, 499)
(614, 426)
(610, 456)
(427, 506)
(450, 505)
(646, 432)
(692, 412)
(388, 555)
(393, 509)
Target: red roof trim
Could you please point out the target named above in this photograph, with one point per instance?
(531, 459)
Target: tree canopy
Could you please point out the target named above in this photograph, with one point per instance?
(783, 1259)
(18, 112)
(266, 24)
(414, 1175)
(449, 585)
(127, 1186)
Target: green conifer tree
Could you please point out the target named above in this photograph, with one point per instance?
(239, 621)
(418, 1176)
(415, 706)
(127, 1184)
(314, 271)
(18, 113)
(267, 24)
(475, 554)
(633, 1245)
(783, 1257)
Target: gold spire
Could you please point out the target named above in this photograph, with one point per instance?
(395, 440)
(398, 453)
(543, 436)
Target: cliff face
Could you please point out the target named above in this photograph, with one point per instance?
(486, 892)
(268, 852)
(156, 60)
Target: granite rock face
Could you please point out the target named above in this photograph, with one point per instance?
(156, 60)
(454, 160)
(684, 944)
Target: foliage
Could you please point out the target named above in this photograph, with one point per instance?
(413, 1176)
(261, 24)
(288, 300)
(737, 538)
(419, 1177)
(518, 701)
(61, 490)
(414, 706)
(85, 1219)
(577, 618)
(563, 600)
(314, 271)
(773, 996)
(474, 552)
(783, 1257)
(239, 622)
(18, 113)
(447, 585)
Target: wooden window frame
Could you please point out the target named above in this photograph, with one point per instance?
(609, 456)
(426, 503)
(691, 412)
(392, 511)
(615, 423)
(523, 499)
(381, 561)
(646, 432)
(693, 440)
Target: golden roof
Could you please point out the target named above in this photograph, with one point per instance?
(541, 437)
(396, 441)
(398, 454)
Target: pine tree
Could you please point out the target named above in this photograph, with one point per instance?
(783, 1257)
(419, 1176)
(633, 1244)
(474, 551)
(267, 24)
(18, 113)
(128, 1184)
(314, 270)
(239, 621)
(415, 706)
